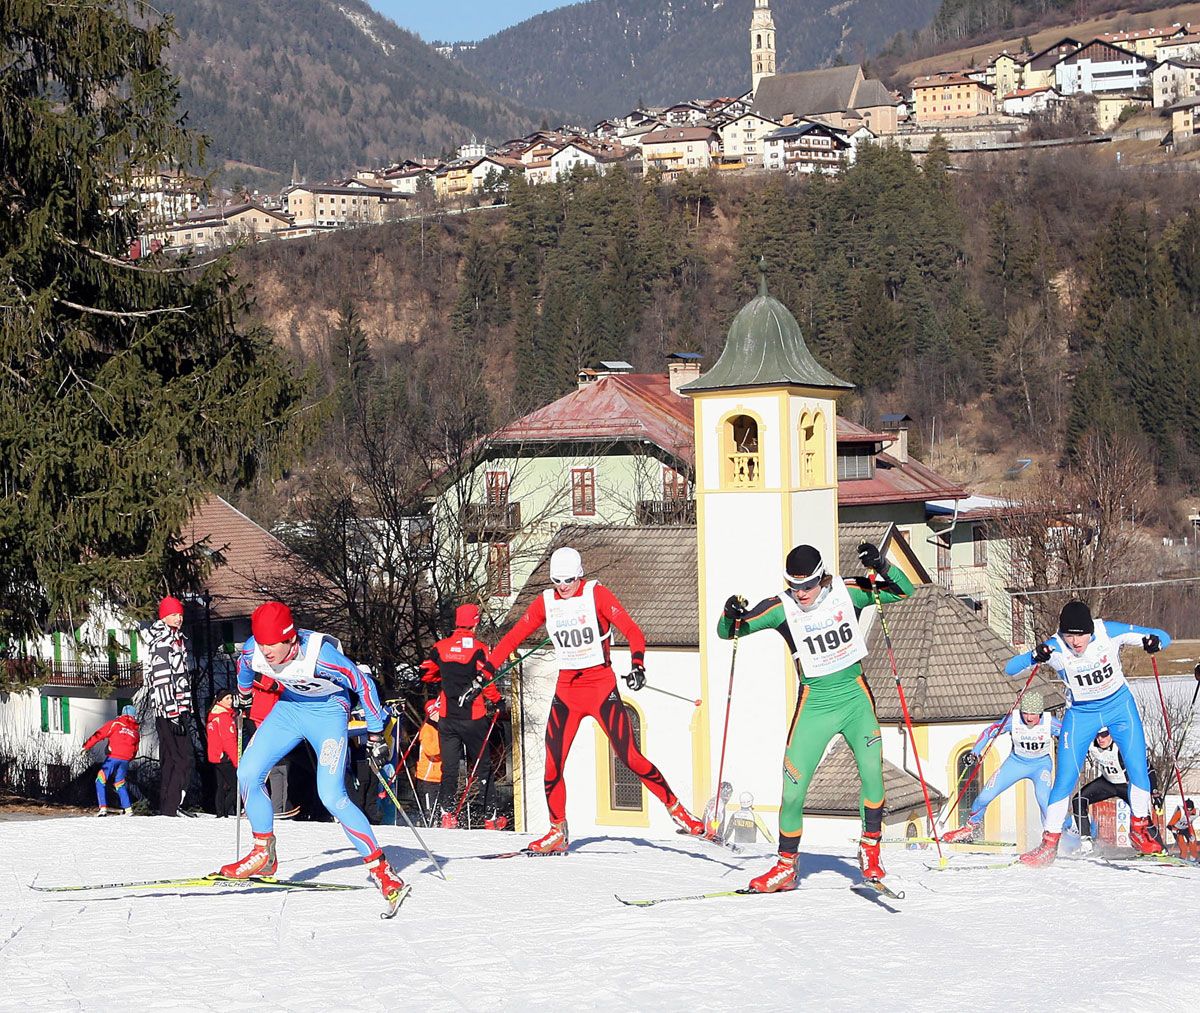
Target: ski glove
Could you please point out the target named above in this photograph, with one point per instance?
(378, 749)
(970, 760)
(491, 707)
(871, 558)
(242, 699)
(736, 607)
(1151, 644)
(636, 678)
(1041, 654)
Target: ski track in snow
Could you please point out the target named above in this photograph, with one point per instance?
(538, 934)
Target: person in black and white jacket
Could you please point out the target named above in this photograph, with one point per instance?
(171, 691)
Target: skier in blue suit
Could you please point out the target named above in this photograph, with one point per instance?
(316, 681)
(1086, 655)
(1032, 729)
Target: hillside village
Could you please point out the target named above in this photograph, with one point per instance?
(797, 123)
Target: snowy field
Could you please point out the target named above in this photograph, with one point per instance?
(547, 934)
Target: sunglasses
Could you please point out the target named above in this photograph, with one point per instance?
(560, 581)
(804, 583)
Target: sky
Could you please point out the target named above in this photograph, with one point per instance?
(460, 20)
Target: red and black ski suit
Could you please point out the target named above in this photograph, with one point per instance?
(588, 691)
(456, 661)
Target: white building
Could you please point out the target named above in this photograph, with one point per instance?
(1098, 67)
(1027, 101)
(1175, 80)
(741, 138)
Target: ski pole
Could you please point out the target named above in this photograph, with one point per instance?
(400, 809)
(451, 820)
(737, 625)
(427, 820)
(986, 749)
(912, 738)
(237, 792)
(462, 700)
(677, 696)
(1171, 741)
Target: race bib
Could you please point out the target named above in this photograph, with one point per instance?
(1096, 673)
(827, 638)
(574, 628)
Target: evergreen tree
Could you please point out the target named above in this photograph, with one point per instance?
(131, 388)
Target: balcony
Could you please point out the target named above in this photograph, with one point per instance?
(490, 521)
(75, 678)
(666, 511)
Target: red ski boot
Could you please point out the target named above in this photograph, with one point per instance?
(1144, 836)
(390, 885)
(553, 841)
(259, 862)
(1044, 853)
(965, 834)
(779, 878)
(686, 822)
(868, 856)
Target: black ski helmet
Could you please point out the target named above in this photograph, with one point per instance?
(1076, 617)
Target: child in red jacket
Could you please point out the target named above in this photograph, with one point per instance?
(223, 750)
(123, 735)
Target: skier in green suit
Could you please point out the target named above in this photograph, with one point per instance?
(818, 618)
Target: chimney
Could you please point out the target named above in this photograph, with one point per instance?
(682, 367)
(898, 423)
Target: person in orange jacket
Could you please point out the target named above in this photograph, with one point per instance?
(123, 735)
(223, 750)
(1185, 834)
(429, 761)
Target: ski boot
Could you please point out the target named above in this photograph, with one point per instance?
(779, 878)
(554, 841)
(260, 861)
(1044, 853)
(384, 876)
(1144, 836)
(686, 822)
(965, 834)
(1085, 845)
(103, 811)
(868, 856)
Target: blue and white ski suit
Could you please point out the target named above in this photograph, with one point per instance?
(1031, 758)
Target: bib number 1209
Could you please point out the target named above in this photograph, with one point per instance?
(830, 640)
(574, 637)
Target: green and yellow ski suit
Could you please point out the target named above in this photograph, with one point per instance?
(839, 702)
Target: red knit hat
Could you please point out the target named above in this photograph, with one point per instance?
(170, 607)
(272, 623)
(432, 710)
(466, 617)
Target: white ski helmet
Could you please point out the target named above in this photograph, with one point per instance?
(565, 564)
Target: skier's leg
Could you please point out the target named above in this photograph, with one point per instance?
(1079, 727)
(275, 737)
(323, 724)
(813, 725)
(450, 736)
(1042, 776)
(1126, 726)
(118, 782)
(1010, 772)
(614, 719)
(860, 729)
(561, 727)
(102, 784)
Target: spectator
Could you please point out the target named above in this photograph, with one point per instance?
(223, 751)
(171, 691)
(429, 762)
(1185, 834)
(122, 734)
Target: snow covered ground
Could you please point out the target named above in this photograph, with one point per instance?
(546, 933)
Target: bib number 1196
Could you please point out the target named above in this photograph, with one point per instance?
(830, 640)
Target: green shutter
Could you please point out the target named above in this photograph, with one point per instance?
(133, 646)
(45, 714)
(65, 702)
(111, 638)
(58, 648)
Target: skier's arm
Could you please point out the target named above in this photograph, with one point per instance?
(1023, 662)
(608, 606)
(334, 665)
(533, 618)
(894, 587)
(103, 732)
(245, 674)
(768, 614)
(1056, 727)
(990, 732)
(1127, 634)
(490, 692)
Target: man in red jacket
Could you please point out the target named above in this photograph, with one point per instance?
(456, 662)
(223, 750)
(123, 735)
(579, 616)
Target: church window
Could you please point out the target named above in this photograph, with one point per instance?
(625, 787)
(758, 42)
(812, 450)
(742, 457)
(964, 772)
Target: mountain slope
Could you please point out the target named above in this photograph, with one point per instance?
(599, 58)
(329, 83)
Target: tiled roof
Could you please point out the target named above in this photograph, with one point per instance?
(652, 570)
(249, 558)
(834, 788)
(872, 92)
(806, 93)
(940, 80)
(950, 661)
(667, 135)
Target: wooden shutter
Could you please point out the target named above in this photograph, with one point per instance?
(64, 703)
(45, 714)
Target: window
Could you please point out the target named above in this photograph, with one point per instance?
(855, 465)
(625, 787)
(675, 485)
(943, 560)
(964, 773)
(812, 450)
(56, 714)
(979, 538)
(743, 463)
(583, 492)
(497, 488)
(499, 570)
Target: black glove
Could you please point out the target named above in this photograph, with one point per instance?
(472, 691)
(970, 760)
(377, 749)
(736, 607)
(636, 678)
(179, 725)
(491, 707)
(1156, 800)
(1151, 644)
(1041, 654)
(242, 699)
(869, 556)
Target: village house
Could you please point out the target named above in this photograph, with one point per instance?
(1144, 41)
(951, 96)
(214, 228)
(454, 180)
(684, 114)
(1110, 107)
(1038, 71)
(337, 206)
(1185, 120)
(804, 148)
(492, 167)
(675, 150)
(741, 139)
(575, 154)
(1004, 74)
(1097, 67)
(1173, 80)
(160, 196)
(407, 179)
(1179, 47)
(1027, 101)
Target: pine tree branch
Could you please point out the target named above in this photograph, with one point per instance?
(121, 314)
(129, 265)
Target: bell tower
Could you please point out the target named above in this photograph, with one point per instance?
(762, 44)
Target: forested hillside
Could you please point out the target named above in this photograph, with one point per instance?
(1048, 298)
(327, 84)
(602, 57)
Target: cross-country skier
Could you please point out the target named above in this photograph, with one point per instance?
(316, 680)
(122, 734)
(1032, 730)
(456, 662)
(1112, 783)
(1185, 834)
(1086, 655)
(817, 616)
(579, 616)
